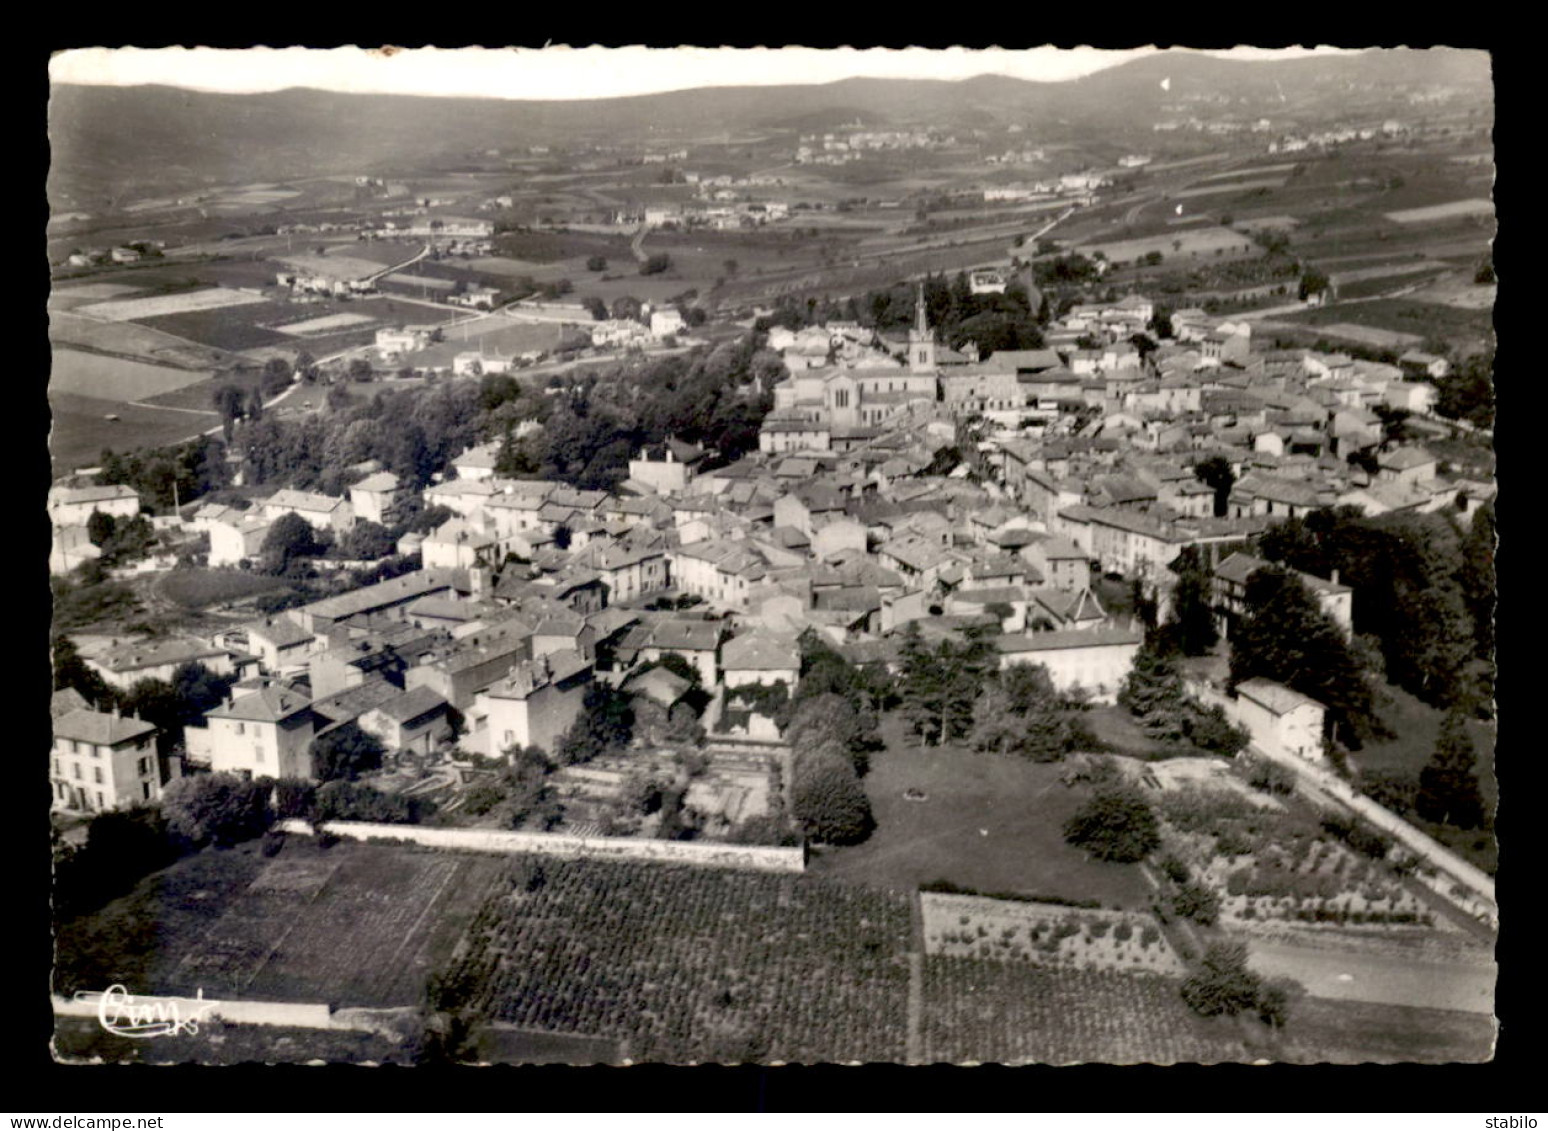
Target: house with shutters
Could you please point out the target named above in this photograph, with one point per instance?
(101, 760)
(260, 731)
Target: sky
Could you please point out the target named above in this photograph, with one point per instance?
(564, 72)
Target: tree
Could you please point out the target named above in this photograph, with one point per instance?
(1313, 283)
(344, 753)
(290, 538)
(293, 797)
(1021, 713)
(1223, 985)
(1216, 472)
(1190, 627)
(1115, 825)
(359, 369)
(70, 670)
(1286, 637)
(828, 801)
(219, 809)
(596, 306)
(367, 541)
(596, 263)
(229, 403)
(255, 404)
(605, 724)
(100, 527)
(657, 264)
(1153, 693)
(276, 376)
(1448, 784)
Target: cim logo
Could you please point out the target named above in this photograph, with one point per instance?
(124, 1015)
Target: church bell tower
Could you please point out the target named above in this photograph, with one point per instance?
(921, 339)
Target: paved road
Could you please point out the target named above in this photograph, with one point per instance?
(1394, 980)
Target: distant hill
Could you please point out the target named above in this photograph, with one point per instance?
(118, 143)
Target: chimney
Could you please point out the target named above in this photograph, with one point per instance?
(1335, 577)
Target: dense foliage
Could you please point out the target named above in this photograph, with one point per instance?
(218, 809)
(1448, 784)
(1286, 637)
(1153, 693)
(827, 799)
(1421, 588)
(1020, 712)
(1116, 825)
(344, 753)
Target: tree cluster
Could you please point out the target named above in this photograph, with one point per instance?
(1021, 713)
(1286, 637)
(1153, 693)
(605, 725)
(1422, 588)
(1224, 985)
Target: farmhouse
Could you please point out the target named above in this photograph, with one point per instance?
(259, 732)
(237, 537)
(75, 506)
(1281, 720)
(101, 760)
(324, 512)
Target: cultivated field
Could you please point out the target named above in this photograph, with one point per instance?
(201, 588)
(273, 927)
(68, 298)
(155, 306)
(1467, 330)
(1015, 1013)
(495, 336)
(990, 824)
(1045, 934)
(1449, 211)
(115, 378)
(1371, 336)
(684, 964)
(126, 339)
(338, 266)
(81, 430)
(325, 324)
(1196, 243)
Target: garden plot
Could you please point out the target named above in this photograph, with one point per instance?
(332, 266)
(325, 324)
(1278, 868)
(154, 306)
(1045, 934)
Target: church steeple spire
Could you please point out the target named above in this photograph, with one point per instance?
(921, 339)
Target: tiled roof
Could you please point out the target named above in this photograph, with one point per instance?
(83, 725)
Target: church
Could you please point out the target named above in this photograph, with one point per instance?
(835, 408)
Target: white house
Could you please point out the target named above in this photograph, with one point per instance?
(1281, 720)
(534, 705)
(103, 761)
(75, 506)
(263, 732)
(1097, 660)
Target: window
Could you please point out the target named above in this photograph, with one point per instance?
(75, 747)
(145, 791)
(57, 772)
(239, 728)
(98, 774)
(145, 766)
(77, 768)
(101, 801)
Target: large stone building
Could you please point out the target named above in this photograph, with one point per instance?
(817, 408)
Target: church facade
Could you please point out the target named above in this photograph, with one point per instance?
(816, 409)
